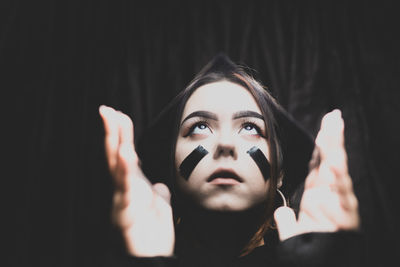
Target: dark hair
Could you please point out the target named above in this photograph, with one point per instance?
(265, 102)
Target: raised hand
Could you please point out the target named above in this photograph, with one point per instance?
(328, 203)
(141, 210)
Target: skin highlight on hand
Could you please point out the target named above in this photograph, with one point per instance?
(140, 210)
(328, 182)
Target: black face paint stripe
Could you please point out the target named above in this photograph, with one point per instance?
(261, 161)
(191, 161)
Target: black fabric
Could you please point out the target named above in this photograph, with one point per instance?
(345, 249)
(340, 249)
(153, 261)
(59, 60)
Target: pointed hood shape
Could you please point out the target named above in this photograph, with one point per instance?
(156, 145)
(220, 64)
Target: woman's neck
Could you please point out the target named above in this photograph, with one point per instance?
(217, 234)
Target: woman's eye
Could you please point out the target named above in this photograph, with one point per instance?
(200, 128)
(250, 129)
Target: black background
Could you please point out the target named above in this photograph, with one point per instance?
(61, 59)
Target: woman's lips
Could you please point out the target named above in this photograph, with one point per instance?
(224, 181)
(224, 177)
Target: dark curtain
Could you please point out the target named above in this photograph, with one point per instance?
(61, 59)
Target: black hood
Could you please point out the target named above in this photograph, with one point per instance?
(154, 145)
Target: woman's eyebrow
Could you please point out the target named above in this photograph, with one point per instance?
(201, 113)
(247, 113)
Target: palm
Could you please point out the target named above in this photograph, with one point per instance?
(328, 203)
(140, 210)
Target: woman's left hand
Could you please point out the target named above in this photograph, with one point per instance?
(328, 203)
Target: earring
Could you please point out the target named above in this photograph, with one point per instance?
(283, 197)
(272, 223)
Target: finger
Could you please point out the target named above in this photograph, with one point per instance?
(330, 144)
(335, 153)
(335, 160)
(285, 220)
(163, 191)
(331, 134)
(123, 170)
(340, 215)
(125, 129)
(111, 139)
(344, 188)
(343, 183)
(127, 161)
(349, 202)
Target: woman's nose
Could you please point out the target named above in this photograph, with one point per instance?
(225, 146)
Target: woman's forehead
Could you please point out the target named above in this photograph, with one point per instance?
(221, 97)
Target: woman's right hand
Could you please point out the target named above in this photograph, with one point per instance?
(141, 211)
(329, 203)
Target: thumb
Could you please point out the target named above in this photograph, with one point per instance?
(285, 220)
(163, 191)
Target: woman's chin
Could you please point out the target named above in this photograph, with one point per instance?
(222, 202)
(226, 205)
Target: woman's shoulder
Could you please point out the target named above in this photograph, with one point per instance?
(342, 248)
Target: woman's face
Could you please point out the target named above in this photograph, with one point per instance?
(224, 118)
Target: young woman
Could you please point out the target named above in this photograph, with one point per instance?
(225, 151)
